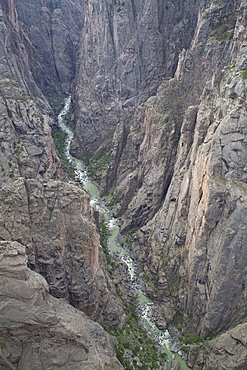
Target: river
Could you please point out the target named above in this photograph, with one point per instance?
(144, 304)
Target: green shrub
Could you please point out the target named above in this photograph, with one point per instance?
(10, 114)
(244, 73)
(191, 338)
(185, 349)
(233, 95)
(134, 338)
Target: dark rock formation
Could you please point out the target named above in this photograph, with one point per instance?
(52, 29)
(127, 48)
(198, 235)
(228, 351)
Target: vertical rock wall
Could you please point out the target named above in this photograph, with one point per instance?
(52, 30)
(198, 237)
(127, 48)
(178, 160)
(39, 207)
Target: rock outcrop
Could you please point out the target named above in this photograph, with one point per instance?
(39, 207)
(38, 331)
(228, 351)
(160, 92)
(51, 217)
(51, 30)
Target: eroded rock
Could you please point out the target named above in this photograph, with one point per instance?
(40, 331)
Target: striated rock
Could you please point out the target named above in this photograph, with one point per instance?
(67, 249)
(39, 44)
(39, 208)
(151, 145)
(227, 351)
(127, 49)
(186, 175)
(53, 30)
(160, 89)
(54, 220)
(197, 237)
(40, 331)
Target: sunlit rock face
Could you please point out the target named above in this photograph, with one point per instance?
(38, 330)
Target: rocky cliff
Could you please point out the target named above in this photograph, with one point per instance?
(40, 208)
(159, 89)
(38, 331)
(178, 149)
(197, 237)
(51, 217)
(127, 48)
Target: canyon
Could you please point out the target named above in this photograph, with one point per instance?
(159, 117)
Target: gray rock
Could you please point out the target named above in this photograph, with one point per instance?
(40, 331)
(175, 365)
(227, 351)
(123, 64)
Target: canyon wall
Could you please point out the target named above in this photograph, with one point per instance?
(196, 241)
(159, 89)
(41, 210)
(127, 48)
(175, 123)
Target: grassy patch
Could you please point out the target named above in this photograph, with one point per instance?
(134, 344)
(185, 349)
(190, 338)
(244, 73)
(222, 33)
(233, 95)
(129, 237)
(112, 266)
(220, 180)
(177, 319)
(57, 103)
(10, 114)
(98, 165)
(152, 282)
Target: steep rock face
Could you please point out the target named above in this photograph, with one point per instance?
(39, 207)
(16, 50)
(143, 156)
(39, 43)
(53, 29)
(52, 218)
(143, 168)
(180, 155)
(40, 331)
(198, 237)
(127, 48)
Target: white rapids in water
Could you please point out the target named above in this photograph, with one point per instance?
(145, 305)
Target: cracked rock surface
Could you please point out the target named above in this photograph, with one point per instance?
(38, 331)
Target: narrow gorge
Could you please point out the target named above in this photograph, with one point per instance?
(159, 119)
